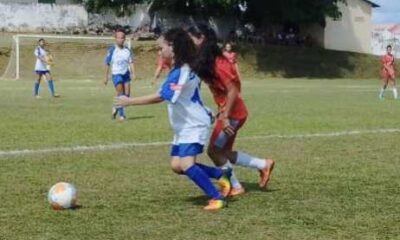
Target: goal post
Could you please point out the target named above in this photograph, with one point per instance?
(75, 57)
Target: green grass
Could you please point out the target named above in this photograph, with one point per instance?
(344, 187)
(261, 61)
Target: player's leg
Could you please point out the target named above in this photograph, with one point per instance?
(383, 88)
(36, 86)
(120, 90)
(200, 178)
(225, 147)
(50, 84)
(216, 152)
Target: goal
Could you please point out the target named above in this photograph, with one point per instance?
(74, 57)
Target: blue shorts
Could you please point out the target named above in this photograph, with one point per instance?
(121, 78)
(186, 150)
(42, 72)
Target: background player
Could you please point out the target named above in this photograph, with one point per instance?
(120, 61)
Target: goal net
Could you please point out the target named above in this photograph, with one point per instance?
(74, 57)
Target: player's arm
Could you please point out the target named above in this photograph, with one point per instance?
(107, 74)
(233, 92)
(157, 74)
(132, 68)
(123, 101)
(237, 69)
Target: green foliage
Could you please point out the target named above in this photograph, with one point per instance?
(258, 11)
(293, 11)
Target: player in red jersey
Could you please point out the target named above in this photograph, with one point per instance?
(223, 80)
(388, 72)
(162, 64)
(231, 55)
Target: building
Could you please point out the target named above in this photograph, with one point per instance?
(351, 32)
(383, 35)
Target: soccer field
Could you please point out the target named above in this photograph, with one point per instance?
(335, 146)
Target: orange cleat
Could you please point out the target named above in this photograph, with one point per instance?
(265, 174)
(236, 192)
(214, 205)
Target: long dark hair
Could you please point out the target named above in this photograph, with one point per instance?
(183, 46)
(204, 65)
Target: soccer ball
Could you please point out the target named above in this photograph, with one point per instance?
(62, 196)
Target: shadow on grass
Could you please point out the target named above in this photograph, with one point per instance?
(253, 187)
(250, 187)
(139, 118)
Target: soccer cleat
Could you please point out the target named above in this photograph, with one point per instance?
(38, 97)
(224, 182)
(122, 118)
(265, 174)
(214, 205)
(381, 97)
(56, 96)
(236, 192)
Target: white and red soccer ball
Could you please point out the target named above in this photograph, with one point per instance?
(62, 195)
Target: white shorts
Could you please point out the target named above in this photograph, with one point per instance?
(192, 135)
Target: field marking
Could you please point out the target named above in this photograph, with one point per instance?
(149, 144)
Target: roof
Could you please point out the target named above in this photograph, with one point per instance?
(374, 5)
(395, 29)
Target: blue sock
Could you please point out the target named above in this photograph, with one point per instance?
(200, 179)
(51, 87)
(211, 172)
(121, 111)
(36, 88)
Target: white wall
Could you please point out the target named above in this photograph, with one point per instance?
(35, 17)
(353, 31)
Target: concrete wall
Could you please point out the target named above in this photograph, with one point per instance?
(35, 17)
(353, 31)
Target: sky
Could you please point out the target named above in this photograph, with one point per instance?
(389, 12)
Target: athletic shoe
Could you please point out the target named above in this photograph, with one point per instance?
(214, 205)
(236, 192)
(265, 174)
(224, 183)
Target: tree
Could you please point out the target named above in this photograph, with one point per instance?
(257, 11)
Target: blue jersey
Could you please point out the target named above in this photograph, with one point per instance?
(119, 59)
(189, 118)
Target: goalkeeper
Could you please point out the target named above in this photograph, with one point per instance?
(42, 68)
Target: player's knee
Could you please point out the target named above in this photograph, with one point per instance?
(176, 168)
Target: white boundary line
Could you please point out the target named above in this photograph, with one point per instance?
(149, 144)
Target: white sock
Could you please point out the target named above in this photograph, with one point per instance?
(381, 92)
(246, 160)
(234, 181)
(395, 93)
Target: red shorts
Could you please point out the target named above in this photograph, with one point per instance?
(222, 140)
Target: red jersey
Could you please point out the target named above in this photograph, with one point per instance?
(231, 56)
(388, 70)
(163, 62)
(227, 74)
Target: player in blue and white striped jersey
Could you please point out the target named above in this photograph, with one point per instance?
(42, 69)
(190, 119)
(119, 61)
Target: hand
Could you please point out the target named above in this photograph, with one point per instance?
(153, 82)
(133, 77)
(121, 101)
(227, 128)
(106, 81)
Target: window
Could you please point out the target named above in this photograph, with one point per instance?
(47, 1)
